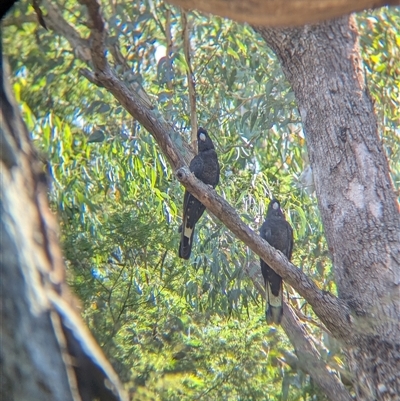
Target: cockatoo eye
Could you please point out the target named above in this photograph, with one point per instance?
(202, 137)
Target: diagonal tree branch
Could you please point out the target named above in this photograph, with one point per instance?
(309, 358)
(137, 99)
(55, 21)
(190, 77)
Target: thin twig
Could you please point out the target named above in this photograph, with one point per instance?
(190, 78)
(168, 52)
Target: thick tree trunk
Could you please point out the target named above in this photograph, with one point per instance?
(355, 193)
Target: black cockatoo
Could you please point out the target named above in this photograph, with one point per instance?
(206, 168)
(279, 234)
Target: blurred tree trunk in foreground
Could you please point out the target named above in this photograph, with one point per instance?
(46, 351)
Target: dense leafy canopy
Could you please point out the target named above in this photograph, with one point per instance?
(178, 329)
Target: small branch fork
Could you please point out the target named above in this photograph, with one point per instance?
(333, 312)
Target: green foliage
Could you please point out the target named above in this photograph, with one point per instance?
(380, 44)
(173, 329)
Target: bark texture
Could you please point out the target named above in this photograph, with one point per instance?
(281, 13)
(355, 193)
(46, 352)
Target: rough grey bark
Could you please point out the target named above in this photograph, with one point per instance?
(46, 352)
(356, 197)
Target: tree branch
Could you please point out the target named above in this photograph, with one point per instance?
(168, 52)
(55, 21)
(11, 20)
(281, 13)
(137, 104)
(332, 311)
(97, 36)
(310, 359)
(168, 38)
(190, 77)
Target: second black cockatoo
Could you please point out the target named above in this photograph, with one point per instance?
(206, 168)
(279, 234)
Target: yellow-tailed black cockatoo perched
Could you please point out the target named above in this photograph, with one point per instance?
(206, 168)
(279, 234)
